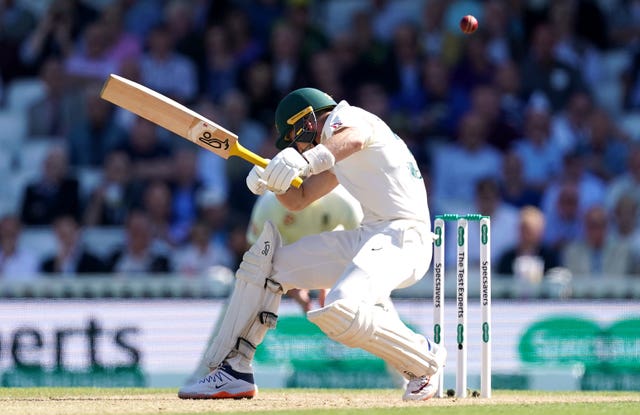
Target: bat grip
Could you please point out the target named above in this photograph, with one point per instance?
(253, 158)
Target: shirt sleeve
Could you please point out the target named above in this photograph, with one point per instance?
(344, 116)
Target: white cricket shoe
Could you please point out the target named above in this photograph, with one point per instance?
(423, 388)
(222, 383)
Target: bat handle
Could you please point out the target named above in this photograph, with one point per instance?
(252, 157)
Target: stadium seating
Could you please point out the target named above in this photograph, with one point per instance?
(22, 92)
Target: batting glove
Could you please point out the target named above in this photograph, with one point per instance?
(283, 168)
(255, 183)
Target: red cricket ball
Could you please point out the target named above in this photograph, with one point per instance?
(468, 24)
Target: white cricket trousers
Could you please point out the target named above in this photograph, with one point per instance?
(364, 264)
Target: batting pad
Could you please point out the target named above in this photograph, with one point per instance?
(379, 332)
(253, 306)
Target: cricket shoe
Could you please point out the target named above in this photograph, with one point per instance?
(423, 388)
(222, 383)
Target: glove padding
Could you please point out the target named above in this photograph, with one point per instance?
(283, 168)
(255, 183)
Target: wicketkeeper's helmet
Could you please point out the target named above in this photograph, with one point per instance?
(295, 111)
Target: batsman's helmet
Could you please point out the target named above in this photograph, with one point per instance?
(293, 112)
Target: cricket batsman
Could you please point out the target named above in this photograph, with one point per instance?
(328, 144)
(337, 210)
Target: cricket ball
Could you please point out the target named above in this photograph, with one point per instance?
(468, 24)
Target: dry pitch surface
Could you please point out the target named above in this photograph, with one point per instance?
(143, 401)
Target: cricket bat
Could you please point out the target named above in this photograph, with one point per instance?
(178, 119)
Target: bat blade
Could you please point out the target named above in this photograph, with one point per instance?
(169, 114)
(178, 119)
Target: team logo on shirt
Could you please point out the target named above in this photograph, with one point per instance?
(336, 125)
(414, 170)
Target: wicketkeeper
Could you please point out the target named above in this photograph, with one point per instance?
(328, 144)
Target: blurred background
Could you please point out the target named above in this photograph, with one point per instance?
(118, 241)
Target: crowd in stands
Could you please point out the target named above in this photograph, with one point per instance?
(529, 120)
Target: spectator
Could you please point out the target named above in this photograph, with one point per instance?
(571, 123)
(72, 257)
(16, 263)
(200, 255)
(122, 46)
(214, 212)
(474, 67)
(605, 150)
(245, 46)
(541, 160)
(261, 95)
(626, 227)
(165, 70)
(403, 78)
(543, 72)
(89, 60)
(283, 55)
(141, 16)
(444, 102)
(324, 72)
(97, 133)
(236, 118)
(56, 32)
(504, 218)
(591, 189)
(597, 253)
(631, 83)
(513, 187)
(573, 48)
(435, 39)
(156, 202)
(263, 15)
(184, 186)
(363, 56)
(508, 81)
(372, 97)
(185, 21)
(55, 193)
(237, 238)
(625, 218)
(485, 101)
(219, 71)
(457, 167)
(17, 21)
(505, 40)
(624, 23)
(139, 256)
(388, 15)
(530, 244)
(59, 108)
(627, 183)
(299, 14)
(115, 195)
(564, 220)
(150, 156)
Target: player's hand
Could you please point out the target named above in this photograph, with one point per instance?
(255, 183)
(283, 168)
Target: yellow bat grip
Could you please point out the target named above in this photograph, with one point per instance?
(253, 158)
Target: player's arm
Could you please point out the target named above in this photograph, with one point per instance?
(312, 189)
(343, 143)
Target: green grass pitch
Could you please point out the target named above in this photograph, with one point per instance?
(87, 401)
